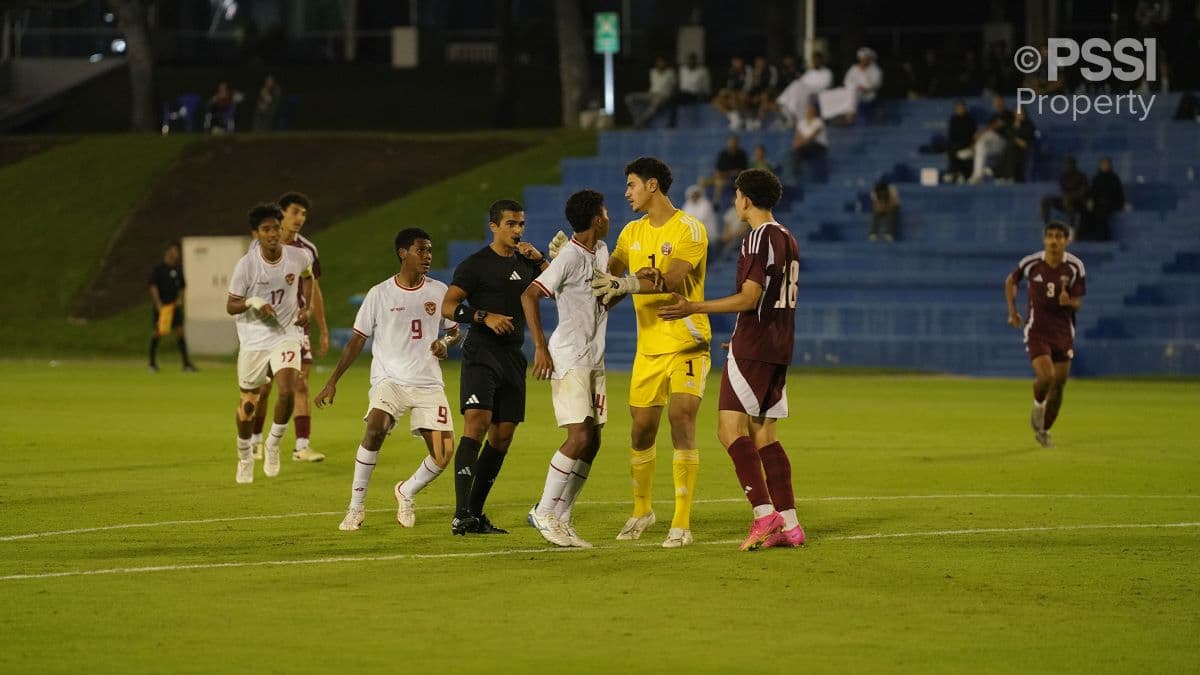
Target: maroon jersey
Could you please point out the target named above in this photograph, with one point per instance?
(769, 257)
(1049, 321)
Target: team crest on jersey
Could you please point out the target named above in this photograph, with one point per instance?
(666, 248)
(289, 279)
(430, 308)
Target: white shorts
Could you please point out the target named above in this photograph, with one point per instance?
(256, 368)
(580, 394)
(426, 406)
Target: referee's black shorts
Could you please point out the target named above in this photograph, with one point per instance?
(493, 378)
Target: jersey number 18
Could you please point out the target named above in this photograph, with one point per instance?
(791, 278)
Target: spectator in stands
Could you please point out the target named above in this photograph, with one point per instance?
(800, 92)
(761, 161)
(885, 207)
(968, 81)
(218, 117)
(643, 105)
(733, 98)
(810, 145)
(267, 106)
(695, 86)
(960, 137)
(764, 87)
(990, 143)
(701, 208)
(735, 230)
(864, 79)
(926, 77)
(789, 70)
(730, 162)
(1073, 193)
(1022, 137)
(1107, 197)
(998, 73)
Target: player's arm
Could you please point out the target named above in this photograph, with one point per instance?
(1010, 296)
(349, 354)
(744, 300)
(455, 307)
(543, 365)
(1066, 300)
(306, 289)
(318, 313)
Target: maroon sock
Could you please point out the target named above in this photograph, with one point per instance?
(303, 426)
(258, 424)
(779, 476)
(749, 471)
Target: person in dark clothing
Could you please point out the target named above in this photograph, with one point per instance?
(1073, 189)
(960, 136)
(1107, 196)
(1021, 140)
(166, 289)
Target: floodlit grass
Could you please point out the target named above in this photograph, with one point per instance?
(941, 539)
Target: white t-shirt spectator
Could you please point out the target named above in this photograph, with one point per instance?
(662, 82)
(702, 210)
(867, 79)
(807, 127)
(817, 79)
(695, 81)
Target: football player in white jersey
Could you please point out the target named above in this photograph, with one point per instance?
(402, 315)
(573, 360)
(270, 327)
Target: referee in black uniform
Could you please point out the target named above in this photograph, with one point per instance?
(492, 396)
(166, 288)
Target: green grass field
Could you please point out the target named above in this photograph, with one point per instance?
(941, 539)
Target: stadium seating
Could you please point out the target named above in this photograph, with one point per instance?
(933, 301)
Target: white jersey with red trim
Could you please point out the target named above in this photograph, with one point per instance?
(404, 322)
(278, 284)
(578, 341)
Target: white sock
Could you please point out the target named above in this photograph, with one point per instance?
(763, 510)
(789, 519)
(579, 476)
(243, 449)
(423, 476)
(1040, 411)
(256, 438)
(556, 480)
(301, 443)
(364, 464)
(276, 436)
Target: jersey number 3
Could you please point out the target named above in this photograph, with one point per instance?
(791, 278)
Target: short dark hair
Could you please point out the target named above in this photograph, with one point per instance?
(498, 207)
(760, 186)
(651, 167)
(1058, 225)
(408, 236)
(262, 212)
(582, 207)
(289, 198)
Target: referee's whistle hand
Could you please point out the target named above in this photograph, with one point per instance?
(498, 323)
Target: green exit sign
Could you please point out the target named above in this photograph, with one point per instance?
(608, 33)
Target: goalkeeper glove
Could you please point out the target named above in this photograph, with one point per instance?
(557, 243)
(606, 287)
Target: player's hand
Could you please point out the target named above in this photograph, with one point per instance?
(1064, 298)
(267, 313)
(302, 317)
(1014, 319)
(529, 251)
(725, 346)
(560, 239)
(325, 397)
(654, 276)
(680, 308)
(439, 349)
(323, 345)
(543, 365)
(498, 323)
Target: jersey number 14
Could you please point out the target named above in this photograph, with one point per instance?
(791, 278)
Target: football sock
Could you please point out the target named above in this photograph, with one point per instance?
(243, 449)
(303, 429)
(464, 475)
(779, 476)
(749, 469)
(789, 519)
(364, 465)
(642, 469)
(423, 476)
(566, 501)
(1039, 414)
(557, 476)
(685, 466)
(182, 344)
(487, 467)
(256, 437)
(153, 350)
(276, 435)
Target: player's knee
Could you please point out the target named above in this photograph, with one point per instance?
(373, 436)
(643, 438)
(248, 405)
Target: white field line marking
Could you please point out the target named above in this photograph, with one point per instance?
(525, 551)
(447, 507)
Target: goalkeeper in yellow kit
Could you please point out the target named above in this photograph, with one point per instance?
(668, 250)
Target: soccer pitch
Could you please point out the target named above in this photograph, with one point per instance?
(941, 538)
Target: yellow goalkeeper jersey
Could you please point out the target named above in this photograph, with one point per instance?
(640, 245)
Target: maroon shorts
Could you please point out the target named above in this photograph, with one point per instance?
(1060, 350)
(756, 388)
